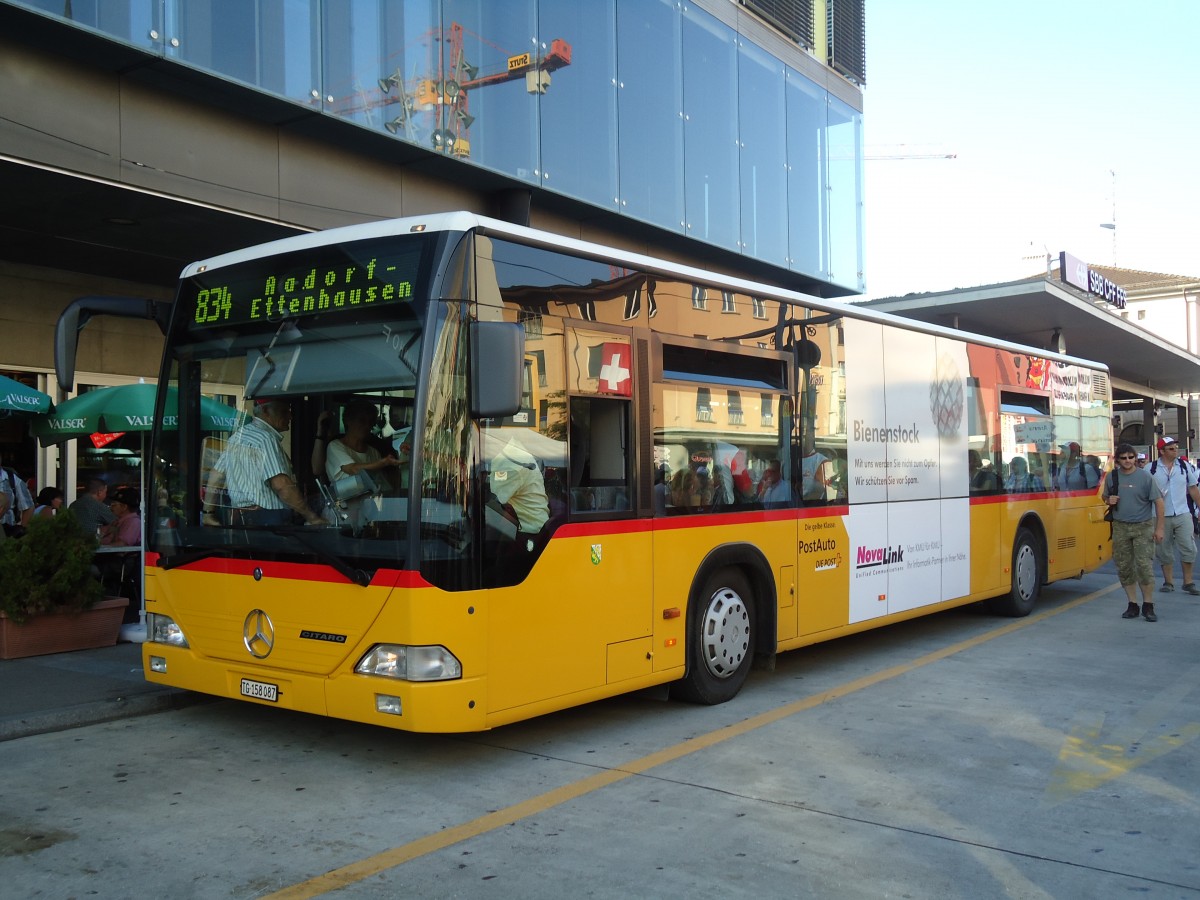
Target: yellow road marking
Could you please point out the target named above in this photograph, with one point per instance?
(388, 859)
(1089, 757)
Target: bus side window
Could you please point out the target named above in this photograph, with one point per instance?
(599, 448)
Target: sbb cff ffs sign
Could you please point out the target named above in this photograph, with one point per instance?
(1075, 272)
(1098, 284)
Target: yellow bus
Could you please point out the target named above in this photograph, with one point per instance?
(617, 472)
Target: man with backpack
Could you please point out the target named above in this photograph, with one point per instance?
(1177, 480)
(1071, 472)
(16, 503)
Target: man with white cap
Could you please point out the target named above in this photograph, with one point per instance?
(1178, 482)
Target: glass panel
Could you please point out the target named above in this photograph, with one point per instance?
(710, 129)
(982, 465)
(378, 58)
(821, 409)
(315, 437)
(599, 369)
(137, 22)
(1026, 435)
(806, 118)
(1075, 464)
(683, 308)
(709, 457)
(265, 43)
(579, 144)
(845, 196)
(523, 468)
(650, 112)
(493, 118)
(1096, 412)
(542, 283)
(761, 121)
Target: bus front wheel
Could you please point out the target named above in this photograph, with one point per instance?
(1028, 573)
(720, 640)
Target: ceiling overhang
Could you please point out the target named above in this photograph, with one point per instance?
(1140, 363)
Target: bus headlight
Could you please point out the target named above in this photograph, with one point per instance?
(430, 663)
(162, 630)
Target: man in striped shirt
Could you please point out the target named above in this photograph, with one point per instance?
(256, 473)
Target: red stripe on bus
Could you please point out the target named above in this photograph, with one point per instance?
(390, 578)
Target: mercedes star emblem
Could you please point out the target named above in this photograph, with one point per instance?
(258, 634)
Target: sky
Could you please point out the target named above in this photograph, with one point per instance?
(1057, 113)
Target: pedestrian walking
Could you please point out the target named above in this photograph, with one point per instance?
(1137, 507)
(1178, 481)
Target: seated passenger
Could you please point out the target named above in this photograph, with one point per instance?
(350, 459)
(662, 490)
(685, 488)
(772, 489)
(982, 476)
(1020, 480)
(814, 472)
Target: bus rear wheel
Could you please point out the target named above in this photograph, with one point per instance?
(1028, 573)
(720, 641)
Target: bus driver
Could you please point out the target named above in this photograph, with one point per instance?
(256, 473)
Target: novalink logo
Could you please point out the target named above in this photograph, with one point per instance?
(870, 557)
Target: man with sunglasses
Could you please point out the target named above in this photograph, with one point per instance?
(1177, 480)
(1138, 507)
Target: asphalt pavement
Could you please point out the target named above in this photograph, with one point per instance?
(40, 694)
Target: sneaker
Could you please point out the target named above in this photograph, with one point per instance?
(1190, 588)
(1148, 612)
(1131, 612)
(1168, 586)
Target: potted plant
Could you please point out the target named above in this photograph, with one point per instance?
(51, 599)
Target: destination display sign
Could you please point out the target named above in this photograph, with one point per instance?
(321, 283)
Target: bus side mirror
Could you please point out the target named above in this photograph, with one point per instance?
(497, 367)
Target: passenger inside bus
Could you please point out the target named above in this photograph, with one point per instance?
(982, 476)
(685, 490)
(815, 472)
(352, 462)
(773, 490)
(1020, 480)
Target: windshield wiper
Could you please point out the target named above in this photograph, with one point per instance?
(358, 576)
(182, 559)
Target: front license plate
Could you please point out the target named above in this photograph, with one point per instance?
(260, 690)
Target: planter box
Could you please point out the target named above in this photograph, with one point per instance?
(62, 632)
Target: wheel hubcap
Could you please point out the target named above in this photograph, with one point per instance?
(1026, 571)
(726, 633)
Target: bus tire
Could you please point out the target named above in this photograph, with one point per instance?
(720, 640)
(1028, 573)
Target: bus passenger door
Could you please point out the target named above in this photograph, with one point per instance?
(582, 610)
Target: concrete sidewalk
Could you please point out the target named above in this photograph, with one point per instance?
(65, 690)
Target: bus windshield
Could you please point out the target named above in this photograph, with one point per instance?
(296, 438)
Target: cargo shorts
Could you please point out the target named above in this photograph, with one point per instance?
(1177, 532)
(1133, 551)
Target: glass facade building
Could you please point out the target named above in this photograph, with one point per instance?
(656, 110)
